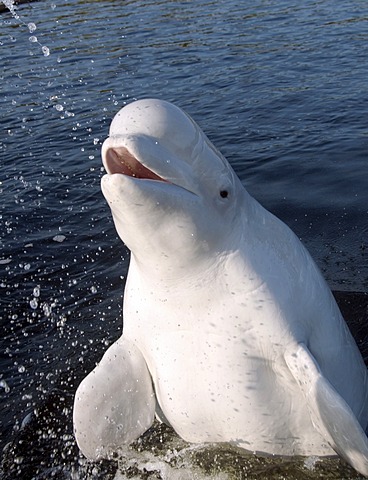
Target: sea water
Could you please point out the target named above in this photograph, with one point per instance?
(279, 87)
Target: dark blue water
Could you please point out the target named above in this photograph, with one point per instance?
(280, 87)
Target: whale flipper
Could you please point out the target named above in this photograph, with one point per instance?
(115, 403)
(330, 414)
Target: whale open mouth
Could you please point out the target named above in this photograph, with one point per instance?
(120, 160)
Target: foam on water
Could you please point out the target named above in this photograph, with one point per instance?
(172, 466)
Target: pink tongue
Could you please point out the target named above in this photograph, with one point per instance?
(120, 160)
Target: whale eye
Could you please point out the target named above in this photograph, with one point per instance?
(224, 193)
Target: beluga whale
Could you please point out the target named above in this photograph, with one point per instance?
(230, 332)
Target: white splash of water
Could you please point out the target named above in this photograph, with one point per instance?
(310, 463)
(10, 5)
(169, 464)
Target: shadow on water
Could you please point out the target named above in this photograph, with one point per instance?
(44, 446)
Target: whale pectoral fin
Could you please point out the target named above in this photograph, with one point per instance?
(330, 414)
(115, 403)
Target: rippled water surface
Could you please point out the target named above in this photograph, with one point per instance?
(281, 89)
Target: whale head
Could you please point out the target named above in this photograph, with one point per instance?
(172, 194)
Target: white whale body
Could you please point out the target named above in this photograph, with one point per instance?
(230, 332)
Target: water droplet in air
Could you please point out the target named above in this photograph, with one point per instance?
(5, 386)
(32, 27)
(33, 303)
(36, 291)
(4, 261)
(21, 369)
(47, 309)
(10, 5)
(59, 238)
